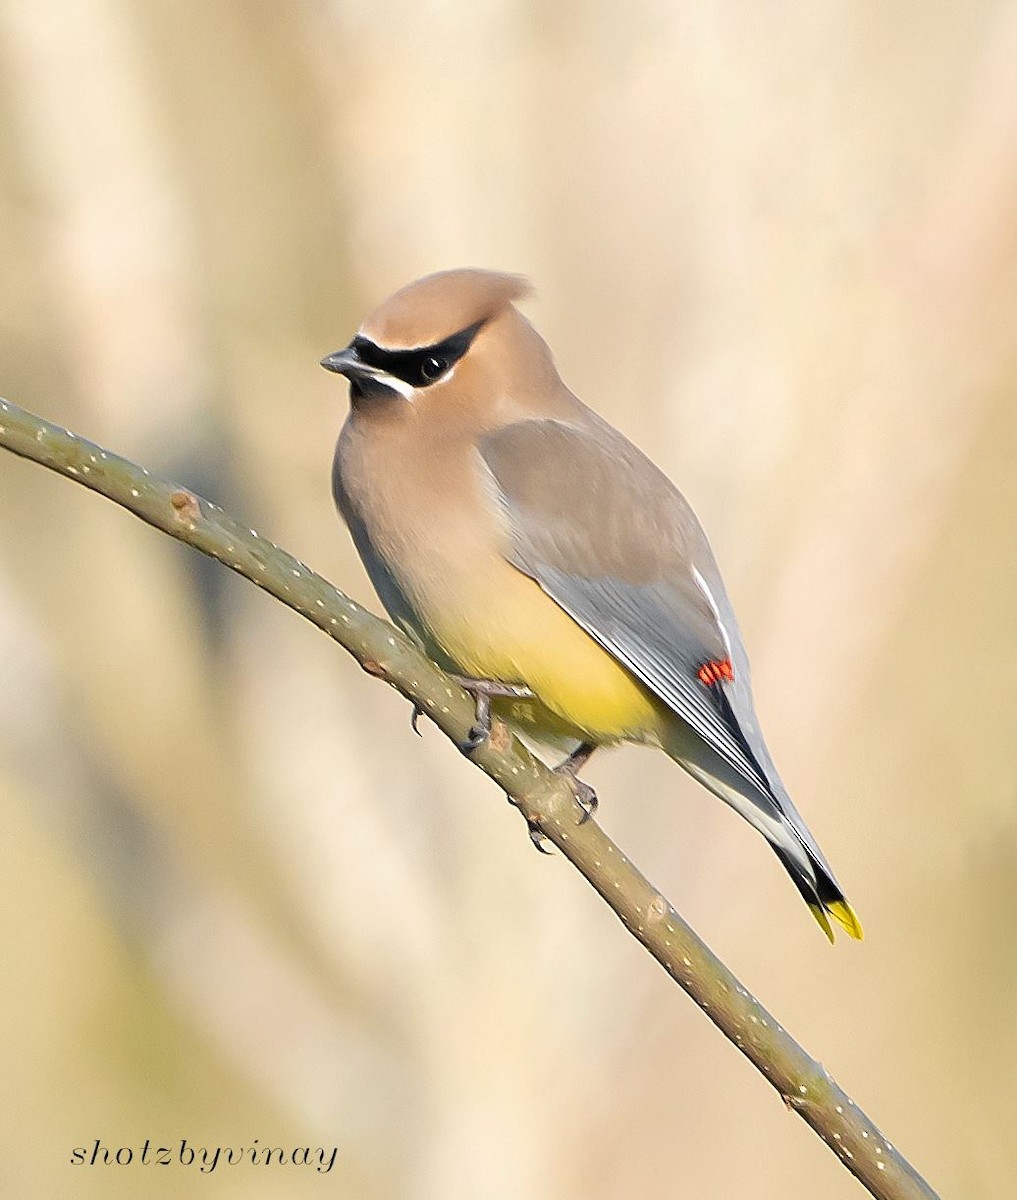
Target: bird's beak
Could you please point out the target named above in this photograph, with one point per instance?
(365, 381)
(347, 362)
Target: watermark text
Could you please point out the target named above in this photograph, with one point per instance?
(205, 1158)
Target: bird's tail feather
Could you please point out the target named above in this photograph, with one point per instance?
(822, 895)
(775, 817)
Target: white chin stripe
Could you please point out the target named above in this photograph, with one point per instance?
(406, 390)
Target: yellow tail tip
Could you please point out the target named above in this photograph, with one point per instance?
(821, 920)
(844, 915)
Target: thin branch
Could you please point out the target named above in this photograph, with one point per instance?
(544, 799)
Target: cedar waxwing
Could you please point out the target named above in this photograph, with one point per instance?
(530, 549)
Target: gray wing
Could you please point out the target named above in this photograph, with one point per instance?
(611, 540)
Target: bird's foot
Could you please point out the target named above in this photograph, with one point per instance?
(483, 691)
(586, 797)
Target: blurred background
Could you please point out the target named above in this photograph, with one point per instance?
(777, 246)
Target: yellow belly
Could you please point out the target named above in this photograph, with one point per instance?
(515, 633)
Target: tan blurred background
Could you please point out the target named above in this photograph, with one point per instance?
(777, 245)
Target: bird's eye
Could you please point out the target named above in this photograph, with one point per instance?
(432, 367)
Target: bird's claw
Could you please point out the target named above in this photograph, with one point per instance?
(477, 736)
(586, 798)
(537, 837)
(414, 718)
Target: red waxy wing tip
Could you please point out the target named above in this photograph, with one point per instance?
(717, 670)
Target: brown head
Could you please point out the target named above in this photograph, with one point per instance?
(446, 341)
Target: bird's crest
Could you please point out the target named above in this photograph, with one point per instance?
(430, 309)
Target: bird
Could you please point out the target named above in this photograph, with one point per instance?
(533, 551)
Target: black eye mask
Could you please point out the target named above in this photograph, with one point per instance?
(422, 367)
